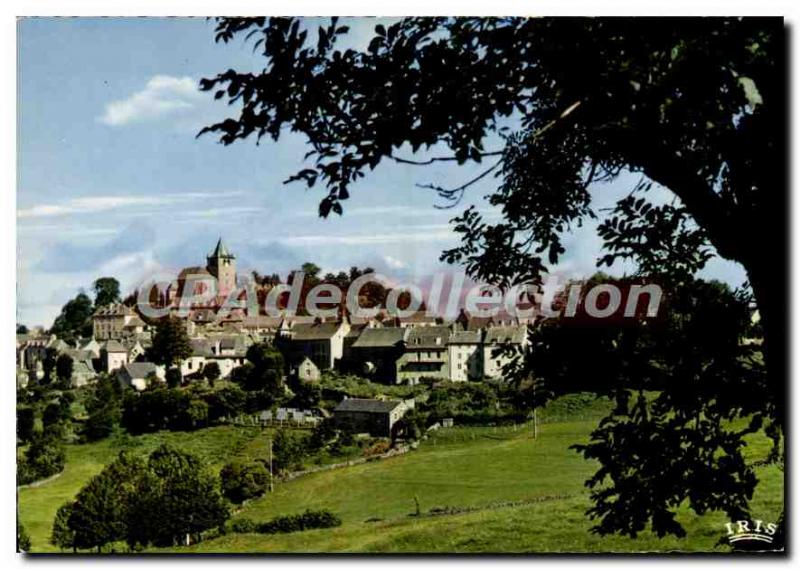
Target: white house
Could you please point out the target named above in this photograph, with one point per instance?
(466, 355)
(493, 362)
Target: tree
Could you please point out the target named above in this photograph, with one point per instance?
(75, 319)
(23, 539)
(212, 372)
(62, 535)
(51, 415)
(48, 365)
(106, 291)
(170, 342)
(174, 377)
(26, 419)
(104, 410)
(22, 329)
(696, 106)
(287, 451)
(64, 369)
(101, 512)
(44, 457)
(185, 496)
(242, 481)
(264, 372)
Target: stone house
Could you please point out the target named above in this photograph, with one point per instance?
(425, 356)
(113, 355)
(321, 342)
(375, 353)
(493, 360)
(374, 416)
(137, 374)
(116, 321)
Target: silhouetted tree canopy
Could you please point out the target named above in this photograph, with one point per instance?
(106, 291)
(548, 106)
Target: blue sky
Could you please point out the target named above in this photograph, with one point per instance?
(112, 182)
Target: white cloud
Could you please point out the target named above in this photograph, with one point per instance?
(162, 95)
(410, 236)
(96, 204)
(394, 263)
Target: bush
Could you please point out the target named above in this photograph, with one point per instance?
(45, 457)
(288, 451)
(23, 539)
(244, 525)
(25, 421)
(241, 482)
(310, 519)
(173, 377)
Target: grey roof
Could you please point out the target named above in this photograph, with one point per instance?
(262, 322)
(80, 355)
(200, 347)
(113, 310)
(60, 345)
(367, 405)
(418, 316)
(113, 346)
(315, 331)
(465, 337)
(381, 337)
(505, 334)
(228, 343)
(427, 336)
(83, 367)
(140, 370)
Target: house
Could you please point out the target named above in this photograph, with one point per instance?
(493, 360)
(90, 345)
(137, 374)
(82, 372)
(465, 355)
(264, 326)
(82, 366)
(227, 351)
(374, 416)
(113, 355)
(375, 352)
(115, 321)
(425, 356)
(416, 320)
(321, 342)
(32, 350)
(307, 370)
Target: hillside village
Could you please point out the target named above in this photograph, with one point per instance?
(384, 349)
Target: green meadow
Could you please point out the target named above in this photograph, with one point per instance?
(464, 490)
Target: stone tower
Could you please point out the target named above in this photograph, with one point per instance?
(222, 265)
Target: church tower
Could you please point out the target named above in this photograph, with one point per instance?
(222, 265)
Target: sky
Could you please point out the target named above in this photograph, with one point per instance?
(112, 180)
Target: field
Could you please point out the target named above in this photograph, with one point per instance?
(480, 489)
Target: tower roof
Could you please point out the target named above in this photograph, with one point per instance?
(220, 251)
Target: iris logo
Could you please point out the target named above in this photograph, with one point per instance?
(750, 530)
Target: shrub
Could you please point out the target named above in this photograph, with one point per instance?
(43, 458)
(310, 519)
(244, 525)
(173, 377)
(23, 539)
(241, 482)
(25, 422)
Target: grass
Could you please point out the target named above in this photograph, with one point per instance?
(516, 494)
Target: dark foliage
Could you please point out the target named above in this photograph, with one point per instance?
(310, 519)
(241, 481)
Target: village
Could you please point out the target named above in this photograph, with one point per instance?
(386, 349)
